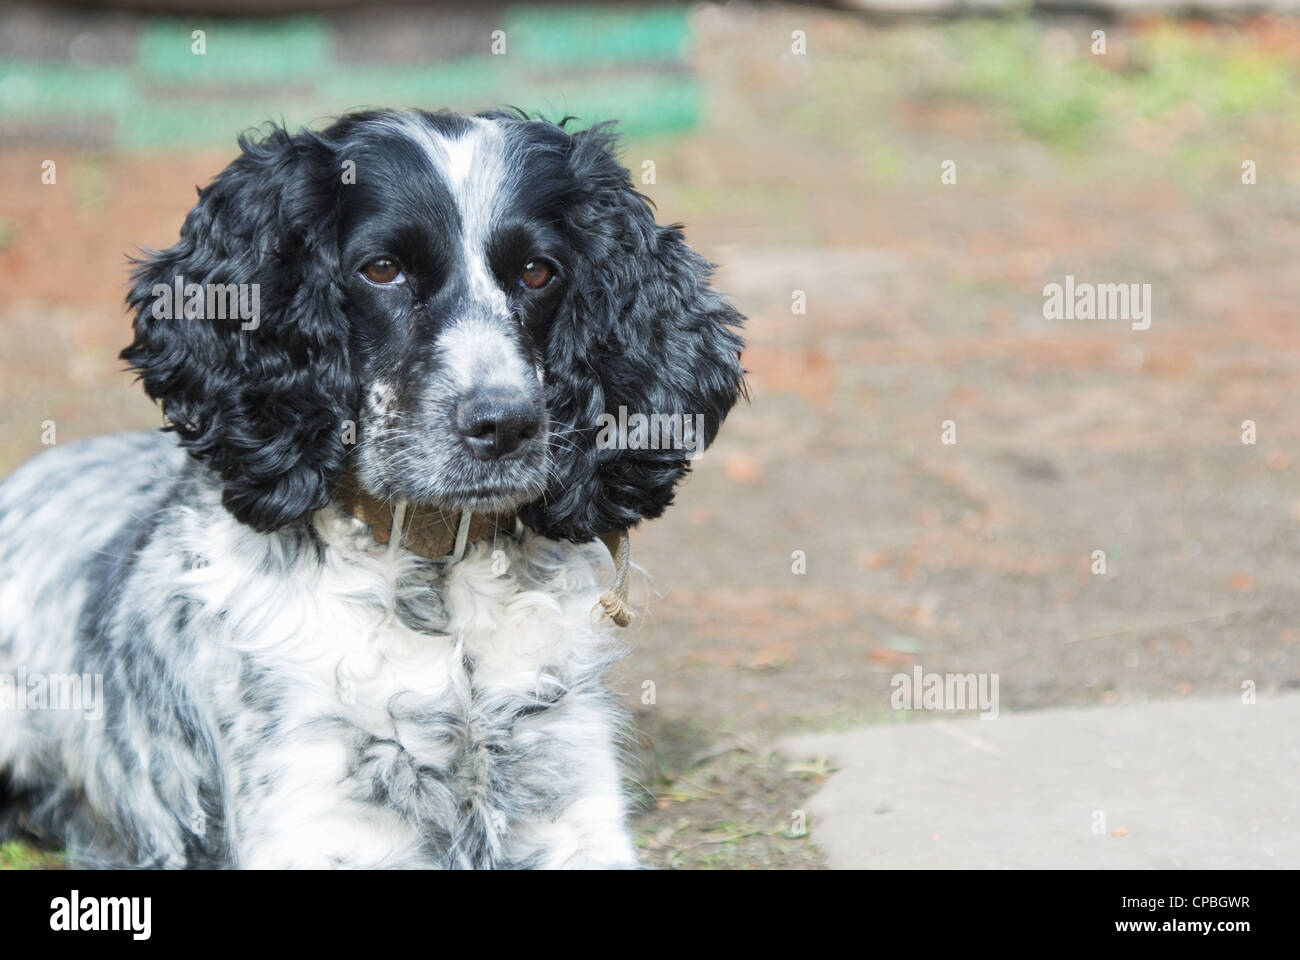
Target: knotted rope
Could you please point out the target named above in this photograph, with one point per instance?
(613, 602)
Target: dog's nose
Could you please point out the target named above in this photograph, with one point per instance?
(496, 424)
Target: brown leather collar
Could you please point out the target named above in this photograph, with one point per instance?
(436, 534)
(427, 531)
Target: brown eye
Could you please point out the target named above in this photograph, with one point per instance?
(537, 274)
(382, 270)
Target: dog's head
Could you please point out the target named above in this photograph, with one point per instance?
(459, 308)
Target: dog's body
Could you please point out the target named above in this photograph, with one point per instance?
(280, 688)
(262, 708)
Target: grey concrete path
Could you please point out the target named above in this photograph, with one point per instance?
(1200, 783)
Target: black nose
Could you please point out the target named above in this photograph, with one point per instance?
(496, 424)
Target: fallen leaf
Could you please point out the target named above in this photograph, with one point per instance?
(872, 560)
(776, 653)
(742, 468)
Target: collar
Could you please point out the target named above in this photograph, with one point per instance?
(432, 533)
(442, 537)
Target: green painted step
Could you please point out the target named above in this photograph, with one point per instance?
(60, 90)
(236, 51)
(582, 36)
(644, 105)
(475, 81)
(594, 63)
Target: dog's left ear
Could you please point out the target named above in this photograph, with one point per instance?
(260, 395)
(639, 332)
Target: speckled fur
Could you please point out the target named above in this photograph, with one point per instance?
(280, 699)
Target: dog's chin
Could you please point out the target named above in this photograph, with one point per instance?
(455, 483)
(501, 502)
(480, 495)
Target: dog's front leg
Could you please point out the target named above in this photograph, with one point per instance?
(591, 834)
(298, 809)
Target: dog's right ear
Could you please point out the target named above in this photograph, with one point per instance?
(261, 396)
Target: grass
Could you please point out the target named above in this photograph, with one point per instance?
(711, 802)
(16, 855)
(1064, 94)
(1168, 86)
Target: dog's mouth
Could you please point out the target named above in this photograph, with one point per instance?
(497, 500)
(492, 486)
(454, 484)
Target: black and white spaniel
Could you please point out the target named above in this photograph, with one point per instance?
(278, 672)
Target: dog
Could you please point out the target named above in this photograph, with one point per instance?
(349, 608)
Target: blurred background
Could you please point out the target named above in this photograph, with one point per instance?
(805, 149)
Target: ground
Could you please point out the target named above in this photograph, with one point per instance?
(831, 539)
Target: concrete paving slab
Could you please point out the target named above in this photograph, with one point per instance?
(1197, 784)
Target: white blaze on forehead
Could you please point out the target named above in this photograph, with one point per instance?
(460, 158)
(473, 166)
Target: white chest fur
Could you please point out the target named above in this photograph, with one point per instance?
(383, 711)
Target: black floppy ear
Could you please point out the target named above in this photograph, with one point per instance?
(259, 393)
(639, 329)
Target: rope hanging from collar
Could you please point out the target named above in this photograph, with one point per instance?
(398, 524)
(613, 602)
(462, 537)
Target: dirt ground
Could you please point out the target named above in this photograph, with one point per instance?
(821, 173)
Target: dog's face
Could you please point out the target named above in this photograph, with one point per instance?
(455, 262)
(448, 306)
